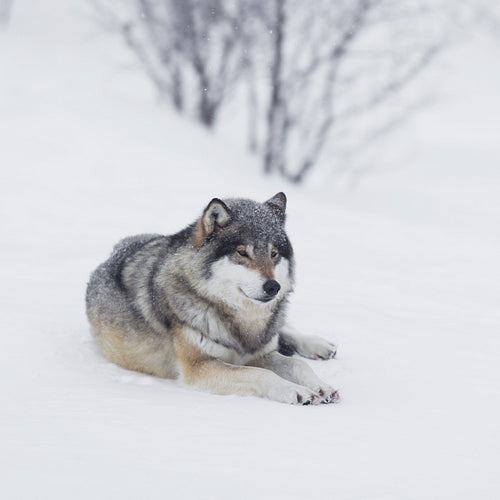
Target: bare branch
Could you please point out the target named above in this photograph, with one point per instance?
(393, 85)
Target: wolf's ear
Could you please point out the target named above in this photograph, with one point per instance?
(278, 204)
(217, 214)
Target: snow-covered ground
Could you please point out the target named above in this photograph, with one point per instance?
(402, 272)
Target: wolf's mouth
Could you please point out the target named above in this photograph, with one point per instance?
(263, 299)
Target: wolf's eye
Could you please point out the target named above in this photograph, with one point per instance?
(274, 253)
(242, 252)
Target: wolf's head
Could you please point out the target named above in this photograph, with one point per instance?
(248, 256)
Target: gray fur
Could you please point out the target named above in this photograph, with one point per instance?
(153, 286)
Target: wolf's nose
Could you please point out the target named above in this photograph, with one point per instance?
(271, 287)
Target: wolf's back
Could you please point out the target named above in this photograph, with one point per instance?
(120, 313)
(105, 290)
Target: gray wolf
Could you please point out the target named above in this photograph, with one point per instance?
(207, 305)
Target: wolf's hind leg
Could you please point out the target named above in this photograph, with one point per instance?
(210, 374)
(135, 350)
(311, 347)
(299, 372)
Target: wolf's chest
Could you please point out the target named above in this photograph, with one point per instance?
(234, 339)
(231, 351)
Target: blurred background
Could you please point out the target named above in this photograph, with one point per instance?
(380, 120)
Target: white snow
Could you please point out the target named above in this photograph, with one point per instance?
(402, 272)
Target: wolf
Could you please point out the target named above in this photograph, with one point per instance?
(207, 305)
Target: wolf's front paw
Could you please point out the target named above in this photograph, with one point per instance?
(307, 399)
(316, 348)
(328, 395)
(297, 395)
